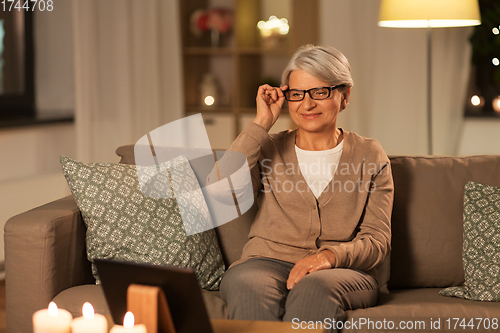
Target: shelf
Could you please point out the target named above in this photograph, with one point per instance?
(209, 51)
(231, 110)
(227, 51)
(248, 110)
(35, 121)
(216, 109)
(244, 62)
(242, 110)
(482, 115)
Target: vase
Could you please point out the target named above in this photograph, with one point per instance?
(209, 88)
(215, 37)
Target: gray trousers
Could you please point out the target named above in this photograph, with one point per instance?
(256, 290)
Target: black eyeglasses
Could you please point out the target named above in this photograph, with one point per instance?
(295, 95)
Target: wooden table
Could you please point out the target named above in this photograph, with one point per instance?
(248, 326)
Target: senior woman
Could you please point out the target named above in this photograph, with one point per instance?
(325, 198)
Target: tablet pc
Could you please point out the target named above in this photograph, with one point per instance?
(180, 286)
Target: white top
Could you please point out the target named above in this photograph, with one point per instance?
(318, 167)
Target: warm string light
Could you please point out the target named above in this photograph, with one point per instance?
(496, 104)
(477, 100)
(496, 32)
(273, 26)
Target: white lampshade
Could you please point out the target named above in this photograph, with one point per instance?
(429, 13)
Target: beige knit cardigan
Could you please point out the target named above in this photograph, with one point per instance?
(351, 218)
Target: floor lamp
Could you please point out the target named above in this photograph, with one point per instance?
(429, 14)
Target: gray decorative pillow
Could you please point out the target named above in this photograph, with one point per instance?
(124, 224)
(481, 247)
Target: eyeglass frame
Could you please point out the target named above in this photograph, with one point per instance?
(330, 89)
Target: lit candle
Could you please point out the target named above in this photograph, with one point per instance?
(52, 320)
(128, 325)
(90, 322)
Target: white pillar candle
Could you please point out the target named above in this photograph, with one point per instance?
(90, 322)
(52, 320)
(128, 325)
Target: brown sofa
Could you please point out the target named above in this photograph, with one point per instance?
(45, 251)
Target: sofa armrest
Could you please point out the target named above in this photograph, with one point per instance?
(44, 254)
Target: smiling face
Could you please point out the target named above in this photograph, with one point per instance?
(316, 116)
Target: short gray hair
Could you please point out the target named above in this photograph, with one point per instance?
(325, 63)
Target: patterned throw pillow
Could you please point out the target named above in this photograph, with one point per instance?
(481, 247)
(124, 224)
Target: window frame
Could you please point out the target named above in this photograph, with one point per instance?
(22, 106)
(484, 76)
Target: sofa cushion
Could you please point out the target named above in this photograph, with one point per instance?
(423, 305)
(72, 299)
(124, 224)
(481, 248)
(233, 235)
(427, 221)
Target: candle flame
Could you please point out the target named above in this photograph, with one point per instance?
(129, 320)
(53, 309)
(88, 311)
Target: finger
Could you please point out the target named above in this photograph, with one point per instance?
(281, 98)
(262, 91)
(291, 282)
(265, 87)
(291, 277)
(280, 92)
(296, 279)
(315, 269)
(297, 273)
(274, 95)
(281, 101)
(266, 95)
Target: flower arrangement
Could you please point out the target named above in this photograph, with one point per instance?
(219, 21)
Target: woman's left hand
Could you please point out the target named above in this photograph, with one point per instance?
(322, 260)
